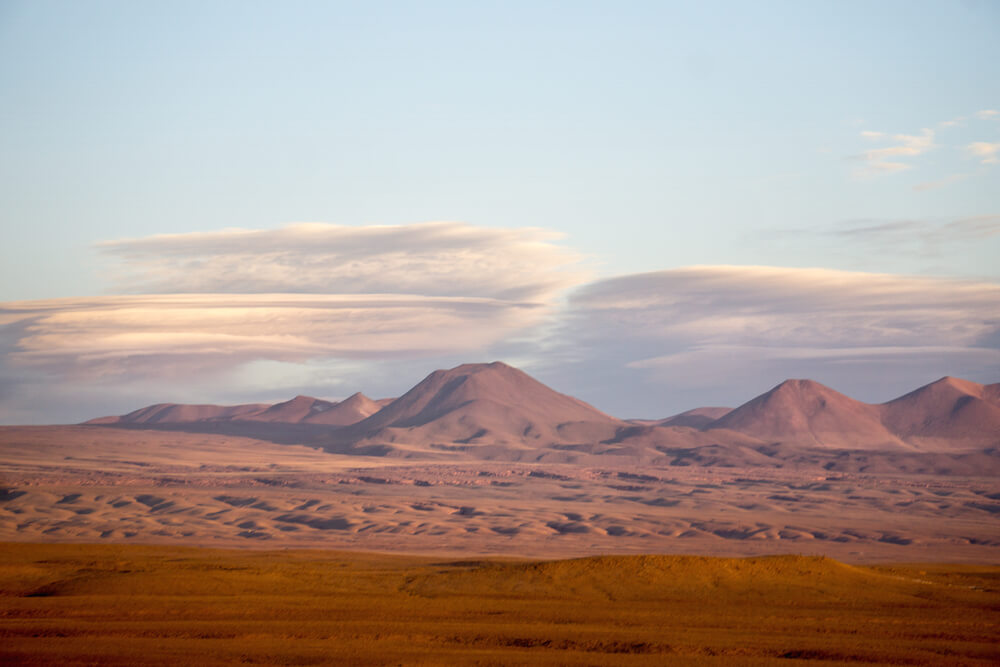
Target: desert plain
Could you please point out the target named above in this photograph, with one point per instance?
(482, 518)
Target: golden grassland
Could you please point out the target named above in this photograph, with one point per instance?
(116, 604)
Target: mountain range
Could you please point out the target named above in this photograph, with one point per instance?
(489, 408)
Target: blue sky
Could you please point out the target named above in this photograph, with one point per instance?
(640, 137)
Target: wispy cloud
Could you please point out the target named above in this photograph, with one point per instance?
(887, 159)
(988, 114)
(435, 258)
(900, 239)
(988, 152)
(901, 233)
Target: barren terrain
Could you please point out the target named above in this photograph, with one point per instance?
(127, 605)
(97, 484)
(474, 471)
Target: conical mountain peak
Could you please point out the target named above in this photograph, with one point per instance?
(483, 401)
(806, 412)
(947, 409)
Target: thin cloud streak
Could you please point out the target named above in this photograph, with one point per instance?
(901, 239)
(434, 259)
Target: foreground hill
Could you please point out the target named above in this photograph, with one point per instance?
(123, 605)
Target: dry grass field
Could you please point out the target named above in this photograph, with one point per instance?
(65, 604)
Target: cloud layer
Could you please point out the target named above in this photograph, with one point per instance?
(121, 338)
(637, 345)
(210, 309)
(704, 334)
(430, 259)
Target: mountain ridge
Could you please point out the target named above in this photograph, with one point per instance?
(494, 404)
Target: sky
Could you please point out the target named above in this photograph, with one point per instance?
(652, 206)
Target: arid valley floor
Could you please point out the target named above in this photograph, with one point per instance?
(98, 522)
(145, 486)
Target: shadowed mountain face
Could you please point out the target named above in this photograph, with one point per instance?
(810, 414)
(496, 411)
(947, 410)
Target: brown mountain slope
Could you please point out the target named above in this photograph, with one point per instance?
(948, 411)
(170, 413)
(484, 404)
(294, 411)
(299, 410)
(697, 418)
(349, 411)
(806, 413)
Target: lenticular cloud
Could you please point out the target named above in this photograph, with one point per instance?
(693, 336)
(194, 303)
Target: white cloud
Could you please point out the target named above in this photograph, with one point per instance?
(435, 258)
(872, 135)
(989, 152)
(988, 114)
(906, 146)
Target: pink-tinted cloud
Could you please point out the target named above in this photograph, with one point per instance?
(430, 259)
(121, 338)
